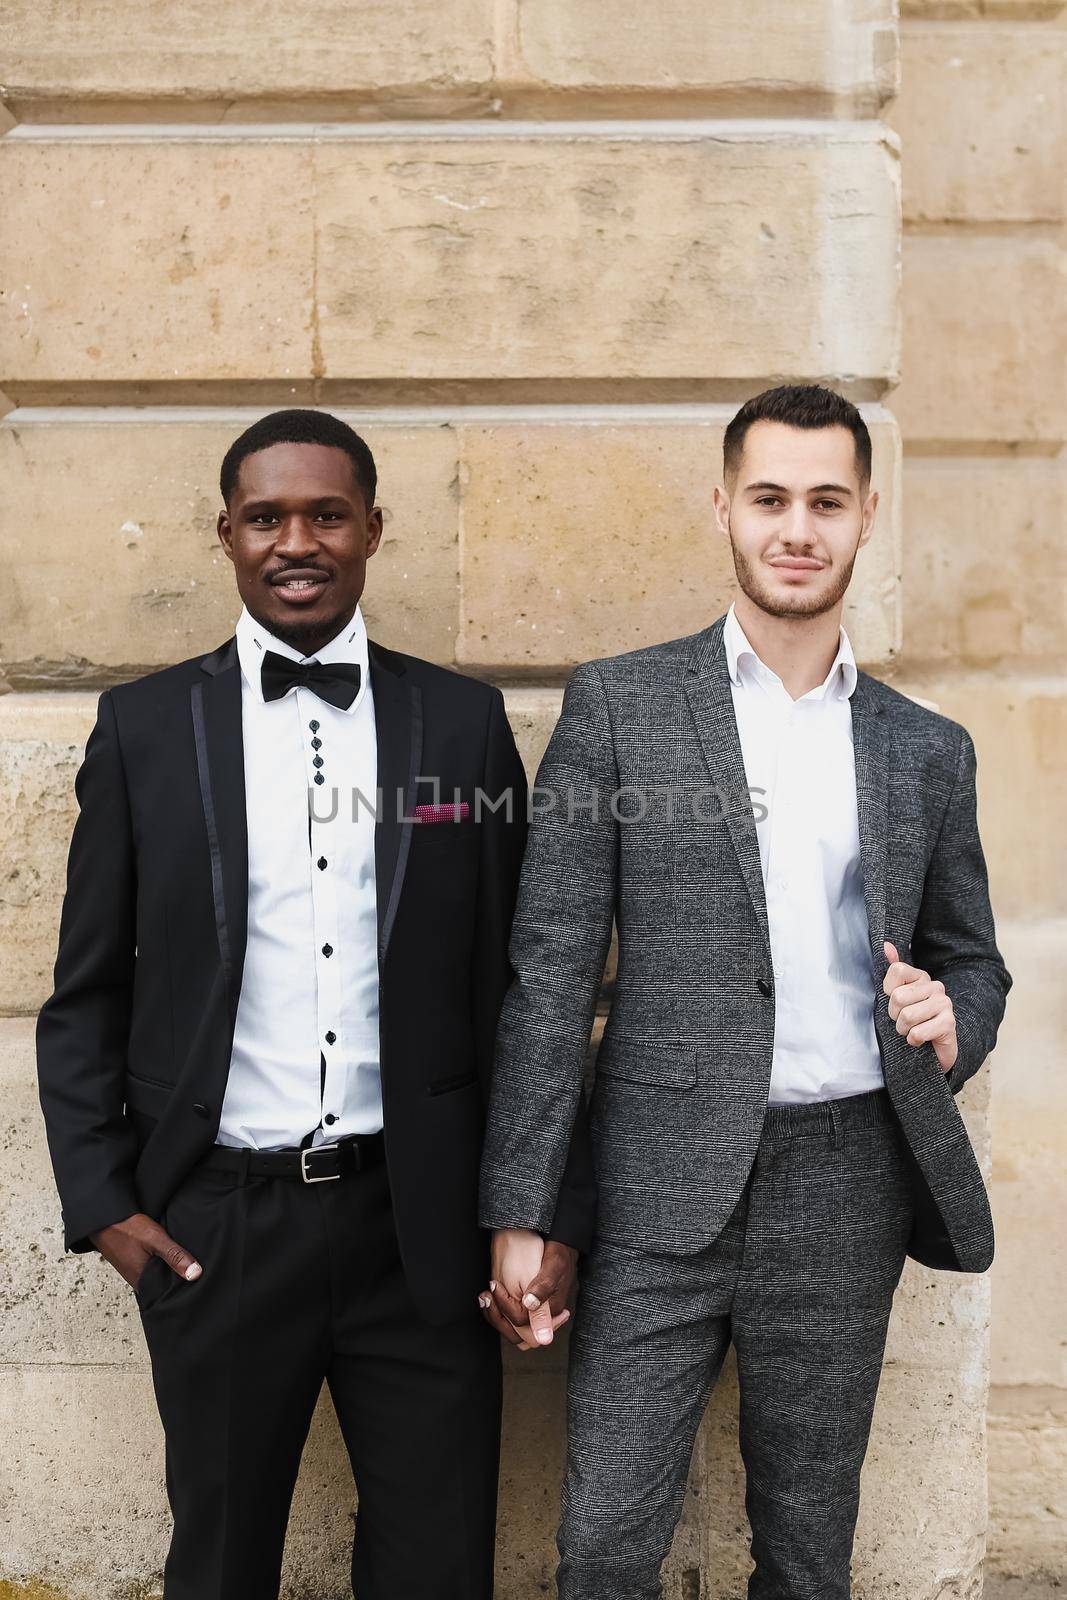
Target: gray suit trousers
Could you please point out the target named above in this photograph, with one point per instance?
(801, 1279)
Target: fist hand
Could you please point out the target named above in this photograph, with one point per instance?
(920, 1008)
(128, 1245)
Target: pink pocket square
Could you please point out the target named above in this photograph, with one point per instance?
(441, 813)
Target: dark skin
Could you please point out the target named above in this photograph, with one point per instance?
(555, 1288)
(298, 512)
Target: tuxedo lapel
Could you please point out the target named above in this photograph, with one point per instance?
(216, 709)
(872, 806)
(707, 687)
(398, 731)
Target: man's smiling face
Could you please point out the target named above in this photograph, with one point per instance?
(796, 515)
(299, 534)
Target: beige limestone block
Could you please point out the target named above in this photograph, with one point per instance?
(985, 561)
(680, 45)
(584, 256)
(424, 59)
(985, 341)
(107, 534)
(590, 540)
(173, 262)
(1028, 1489)
(409, 58)
(980, 116)
(1029, 1275)
(1019, 728)
(42, 738)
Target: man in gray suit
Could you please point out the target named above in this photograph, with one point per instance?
(807, 976)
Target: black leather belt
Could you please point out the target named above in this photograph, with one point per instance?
(314, 1164)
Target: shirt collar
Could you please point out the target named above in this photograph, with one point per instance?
(348, 644)
(840, 681)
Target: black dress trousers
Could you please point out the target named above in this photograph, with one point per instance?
(301, 1283)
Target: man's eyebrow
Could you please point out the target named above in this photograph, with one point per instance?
(266, 502)
(779, 488)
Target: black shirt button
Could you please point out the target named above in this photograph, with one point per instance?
(314, 727)
(316, 744)
(330, 1118)
(331, 1037)
(317, 762)
(327, 950)
(321, 863)
(764, 986)
(319, 778)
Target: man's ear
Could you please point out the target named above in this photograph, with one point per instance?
(870, 506)
(224, 530)
(721, 501)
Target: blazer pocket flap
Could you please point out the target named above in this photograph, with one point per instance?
(659, 1064)
(143, 1094)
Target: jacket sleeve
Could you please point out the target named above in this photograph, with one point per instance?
(954, 938)
(503, 838)
(559, 943)
(83, 1028)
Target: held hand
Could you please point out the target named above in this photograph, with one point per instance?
(920, 1007)
(128, 1246)
(516, 1261)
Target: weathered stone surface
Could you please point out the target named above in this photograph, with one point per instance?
(586, 256)
(584, 541)
(571, 256)
(406, 57)
(985, 561)
(187, 269)
(1028, 1402)
(421, 58)
(985, 339)
(980, 113)
(1029, 1114)
(683, 45)
(1019, 728)
(107, 524)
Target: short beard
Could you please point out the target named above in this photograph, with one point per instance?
(812, 605)
(298, 633)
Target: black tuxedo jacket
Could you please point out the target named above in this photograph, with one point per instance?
(133, 1046)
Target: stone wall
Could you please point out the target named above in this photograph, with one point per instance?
(983, 413)
(538, 262)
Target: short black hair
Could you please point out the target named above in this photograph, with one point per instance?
(299, 426)
(800, 405)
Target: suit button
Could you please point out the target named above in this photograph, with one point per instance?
(201, 1109)
(764, 986)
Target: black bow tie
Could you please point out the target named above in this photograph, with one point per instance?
(337, 683)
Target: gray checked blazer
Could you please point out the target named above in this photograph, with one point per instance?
(668, 850)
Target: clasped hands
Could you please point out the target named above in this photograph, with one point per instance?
(531, 1288)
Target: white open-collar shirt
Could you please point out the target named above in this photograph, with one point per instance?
(305, 1054)
(800, 754)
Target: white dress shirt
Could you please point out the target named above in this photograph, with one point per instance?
(800, 754)
(309, 989)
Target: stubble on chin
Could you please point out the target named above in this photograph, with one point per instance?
(800, 604)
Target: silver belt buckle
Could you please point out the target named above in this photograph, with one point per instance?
(327, 1177)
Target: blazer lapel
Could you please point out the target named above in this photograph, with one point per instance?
(707, 687)
(398, 731)
(872, 806)
(216, 710)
